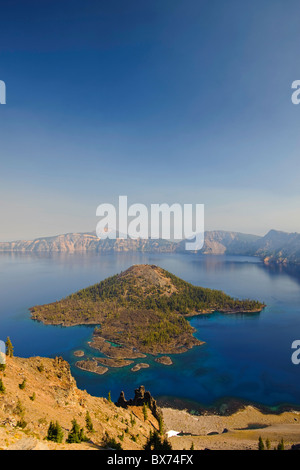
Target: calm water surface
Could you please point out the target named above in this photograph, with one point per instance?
(246, 357)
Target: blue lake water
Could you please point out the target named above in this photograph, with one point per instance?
(245, 357)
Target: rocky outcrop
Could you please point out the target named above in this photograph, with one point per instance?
(91, 366)
(79, 353)
(165, 360)
(141, 365)
(141, 397)
(109, 362)
(113, 352)
(51, 394)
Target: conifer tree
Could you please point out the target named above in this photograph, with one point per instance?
(145, 412)
(88, 422)
(55, 432)
(2, 388)
(280, 445)
(155, 442)
(161, 425)
(9, 347)
(261, 445)
(76, 435)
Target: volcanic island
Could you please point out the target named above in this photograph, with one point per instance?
(143, 310)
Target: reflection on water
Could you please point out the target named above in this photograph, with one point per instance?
(245, 356)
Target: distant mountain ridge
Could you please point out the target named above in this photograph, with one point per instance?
(275, 247)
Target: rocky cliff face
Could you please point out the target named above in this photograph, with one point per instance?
(141, 397)
(222, 242)
(50, 394)
(81, 242)
(279, 247)
(218, 242)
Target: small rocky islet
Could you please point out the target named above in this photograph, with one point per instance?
(90, 365)
(143, 310)
(79, 353)
(141, 365)
(165, 360)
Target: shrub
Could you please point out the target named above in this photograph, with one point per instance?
(2, 388)
(22, 385)
(19, 410)
(112, 443)
(22, 423)
(132, 420)
(41, 367)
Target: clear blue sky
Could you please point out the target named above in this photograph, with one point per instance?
(160, 100)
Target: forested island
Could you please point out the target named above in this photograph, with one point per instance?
(142, 310)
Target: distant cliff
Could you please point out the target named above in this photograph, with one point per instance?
(72, 242)
(275, 247)
(278, 247)
(234, 243)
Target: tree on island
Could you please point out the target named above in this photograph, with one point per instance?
(9, 348)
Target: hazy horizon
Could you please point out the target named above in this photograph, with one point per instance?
(93, 231)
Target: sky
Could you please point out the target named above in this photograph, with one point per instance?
(165, 101)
